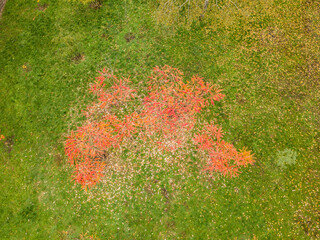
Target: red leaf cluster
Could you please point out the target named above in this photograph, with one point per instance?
(223, 156)
(167, 118)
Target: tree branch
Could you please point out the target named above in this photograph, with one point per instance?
(205, 6)
(183, 4)
(234, 4)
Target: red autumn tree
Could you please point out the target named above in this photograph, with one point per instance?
(166, 118)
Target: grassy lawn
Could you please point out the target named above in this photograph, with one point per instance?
(267, 62)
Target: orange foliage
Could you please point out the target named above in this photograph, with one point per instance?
(1, 136)
(223, 157)
(167, 118)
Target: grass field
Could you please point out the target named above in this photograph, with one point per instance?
(267, 60)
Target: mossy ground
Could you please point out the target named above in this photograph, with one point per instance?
(268, 65)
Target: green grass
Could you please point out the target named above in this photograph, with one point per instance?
(270, 78)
